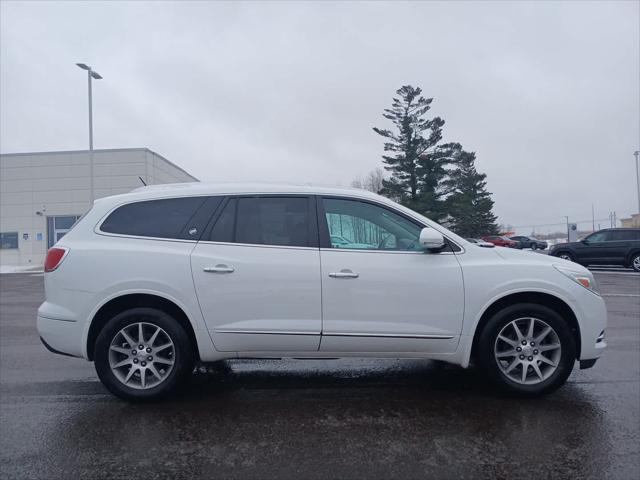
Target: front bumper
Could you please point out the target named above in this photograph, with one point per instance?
(592, 317)
(584, 364)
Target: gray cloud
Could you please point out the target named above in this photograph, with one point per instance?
(546, 93)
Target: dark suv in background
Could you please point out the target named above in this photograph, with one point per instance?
(612, 246)
(530, 242)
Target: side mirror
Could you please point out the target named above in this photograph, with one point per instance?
(431, 239)
(585, 241)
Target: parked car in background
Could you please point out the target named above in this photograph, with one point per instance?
(500, 241)
(148, 283)
(530, 242)
(480, 243)
(611, 246)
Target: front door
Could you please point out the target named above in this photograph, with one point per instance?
(597, 248)
(380, 291)
(257, 275)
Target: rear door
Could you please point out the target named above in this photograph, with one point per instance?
(257, 275)
(622, 242)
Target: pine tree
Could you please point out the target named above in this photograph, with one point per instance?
(416, 158)
(469, 205)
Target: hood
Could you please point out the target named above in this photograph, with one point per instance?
(565, 244)
(529, 257)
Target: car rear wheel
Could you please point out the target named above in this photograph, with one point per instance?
(143, 354)
(527, 349)
(635, 262)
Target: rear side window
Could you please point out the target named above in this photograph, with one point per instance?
(282, 221)
(165, 218)
(622, 235)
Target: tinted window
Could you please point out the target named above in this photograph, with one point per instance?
(622, 235)
(223, 230)
(164, 218)
(598, 237)
(283, 221)
(364, 226)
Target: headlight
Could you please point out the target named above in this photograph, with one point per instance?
(584, 279)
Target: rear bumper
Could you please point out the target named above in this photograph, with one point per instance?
(60, 336)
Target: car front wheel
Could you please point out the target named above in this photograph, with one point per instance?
(566, 256)
(527, 349)
(143, 354)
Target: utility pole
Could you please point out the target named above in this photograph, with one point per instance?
(637, 155)
(90, 75)
(593, 219)
(567, 218)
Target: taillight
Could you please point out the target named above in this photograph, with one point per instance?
(54, 258)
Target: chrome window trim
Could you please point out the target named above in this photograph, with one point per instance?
(258, 245)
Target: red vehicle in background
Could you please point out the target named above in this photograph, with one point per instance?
(500, 241)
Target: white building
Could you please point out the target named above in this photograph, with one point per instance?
(43, 193)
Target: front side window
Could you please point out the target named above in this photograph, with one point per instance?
(165, 218)
(8, 240)
(359, 225)
(280, 221)
(598, 237)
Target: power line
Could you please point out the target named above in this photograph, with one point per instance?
(560, 223)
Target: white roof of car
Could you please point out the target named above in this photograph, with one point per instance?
(198, 188)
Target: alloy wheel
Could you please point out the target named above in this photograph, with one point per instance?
(527, 351)
(636, 263)
(141, 355)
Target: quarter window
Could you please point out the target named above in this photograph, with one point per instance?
(283, 221)
(164, 218)
(359, 225)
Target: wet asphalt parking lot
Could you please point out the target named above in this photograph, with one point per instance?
(317, 419)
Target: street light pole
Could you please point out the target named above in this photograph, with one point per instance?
(637, 155)
(90, 75)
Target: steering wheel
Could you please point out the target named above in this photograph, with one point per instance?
(381, 245)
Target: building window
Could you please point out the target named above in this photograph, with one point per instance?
(58, 226)
(8, 240)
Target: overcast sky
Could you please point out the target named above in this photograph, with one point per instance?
(546, 93)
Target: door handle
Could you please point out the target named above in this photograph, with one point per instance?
(344, 273)
(220, 268)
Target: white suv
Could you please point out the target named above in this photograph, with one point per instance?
(148, 283)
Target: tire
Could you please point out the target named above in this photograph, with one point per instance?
(635, 261)
(545, 378)
(157, 372)
(566, 256)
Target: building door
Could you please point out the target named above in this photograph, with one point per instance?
(58, 226)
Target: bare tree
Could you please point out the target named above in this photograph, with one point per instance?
(372, 181)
